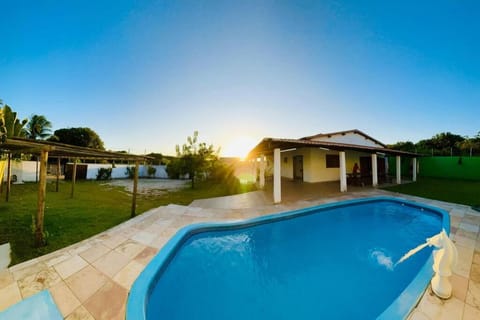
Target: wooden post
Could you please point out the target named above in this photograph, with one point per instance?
(134, 192)
(58, 174)
(36, 170)
(9, 177)
(74, 177)
(42, 187)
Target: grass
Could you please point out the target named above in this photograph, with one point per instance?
(96, 207)
(456, 191)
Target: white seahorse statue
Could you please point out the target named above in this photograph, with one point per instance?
(445, 258)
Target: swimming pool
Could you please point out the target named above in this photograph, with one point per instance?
(334, 261)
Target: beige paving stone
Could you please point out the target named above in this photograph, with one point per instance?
(146, 223)
(80, 314)
(418, 315)
(6, 278)
(471, 313)
(464, 263)
(163, 222)
(156, 228)
(475, 272)
(24, 265)
(169, 232)
(37, 282)
(473, 294)
(95, 252)
(68, 267)
(128, 232)
(114, 241)
(28, 269)
(476, 257)
(128, 274)
(56, 258)
(159, 242)
(455, 221)
(438, 309)
(467, 234)
(9, 296)
(86, 282)
(130, 248)
(111, 263)
(471, 219)
(64, 298)
(79, 248)
(459, 287)
(108, 303)
(469, 227)
(144, 237)
(146, 255)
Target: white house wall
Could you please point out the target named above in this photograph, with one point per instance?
(120, 170)
(25, 171)
(349, 138)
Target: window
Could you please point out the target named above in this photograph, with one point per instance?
(332, 160)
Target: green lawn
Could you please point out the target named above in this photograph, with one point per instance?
(94, 208)
(457, 191)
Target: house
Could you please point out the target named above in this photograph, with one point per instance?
(327, 157)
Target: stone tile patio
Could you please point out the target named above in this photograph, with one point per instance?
(91, 279)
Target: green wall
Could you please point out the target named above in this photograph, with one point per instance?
(440, 167)
(449, 167)
(404, 166)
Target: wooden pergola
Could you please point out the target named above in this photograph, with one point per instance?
(46, 149)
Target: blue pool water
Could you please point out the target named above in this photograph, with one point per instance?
(329, 262)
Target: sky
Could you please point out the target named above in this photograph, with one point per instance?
(146, 74)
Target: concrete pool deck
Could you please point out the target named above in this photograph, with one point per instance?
(91, 279)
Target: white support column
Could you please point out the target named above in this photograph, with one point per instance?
(277, 177)
(254, 165)
(399, 170)
(343, 172)
(261, 182)
(414, 171)
(374, 170)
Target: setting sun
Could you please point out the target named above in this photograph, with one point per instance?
(239, 147)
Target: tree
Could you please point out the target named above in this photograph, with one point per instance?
(38, 127)
(82, 137)
(469, 144)
(194, 158)
(444, 143)
(403, 146)
(10, 125)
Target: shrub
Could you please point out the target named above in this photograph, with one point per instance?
(130, 172)
(104, 174)
(151, 170)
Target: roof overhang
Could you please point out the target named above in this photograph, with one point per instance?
(267, 145)
(60, 150)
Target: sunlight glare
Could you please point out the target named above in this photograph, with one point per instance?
(239, 147)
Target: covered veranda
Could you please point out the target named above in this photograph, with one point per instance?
(273, 148)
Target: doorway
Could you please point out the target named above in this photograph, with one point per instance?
(298, 168)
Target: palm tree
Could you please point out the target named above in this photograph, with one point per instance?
(38, 127)
(10, 125)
